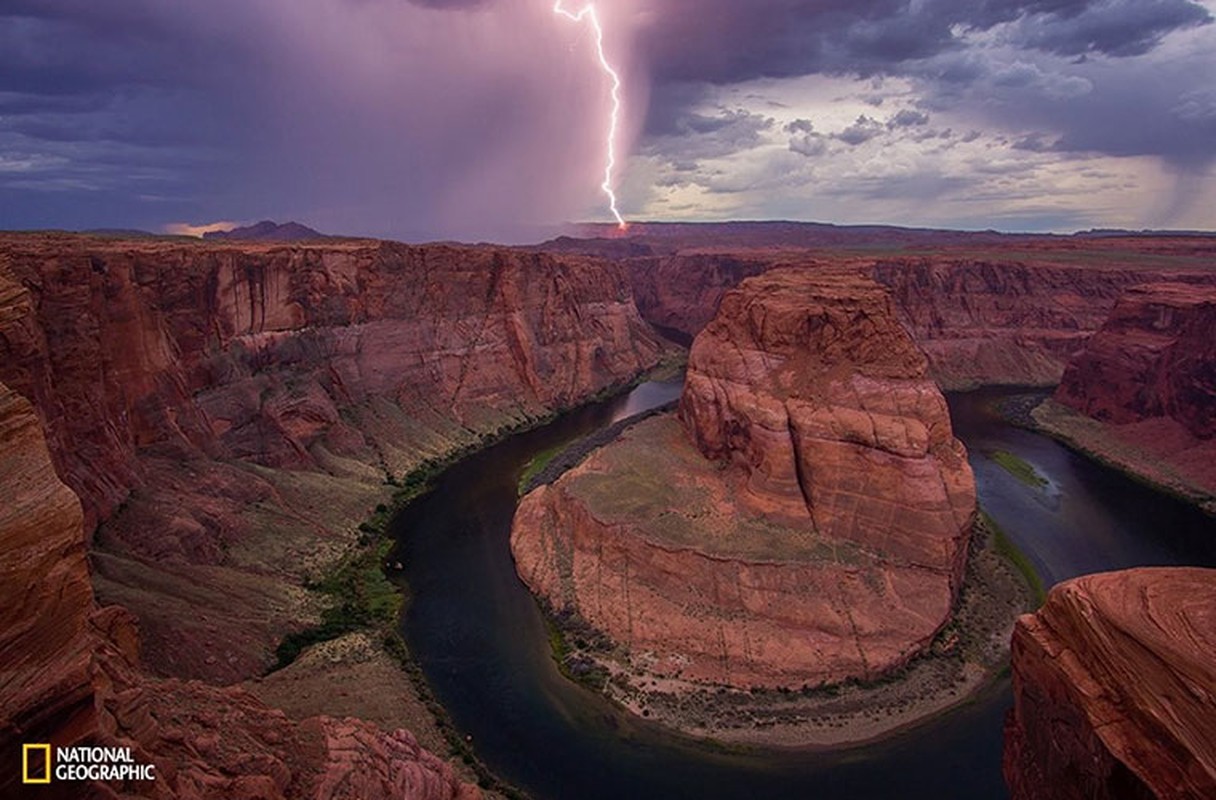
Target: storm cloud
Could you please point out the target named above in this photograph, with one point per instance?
(427, 119)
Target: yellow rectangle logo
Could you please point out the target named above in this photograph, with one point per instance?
(30, 775)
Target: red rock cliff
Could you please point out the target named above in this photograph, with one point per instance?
(70, 677)
(1015, 318)
(1142, 394)
(1115, 689)
(256, 396)
(813, 387)
(828, 542)
(1154, 357)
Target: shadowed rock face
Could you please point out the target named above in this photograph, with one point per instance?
(1142, 394)
(1154, 357)
(70, 676)
(230, 411)
(805, 521)
(1115, 689)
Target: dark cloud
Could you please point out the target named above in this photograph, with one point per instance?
(725, 41)
(907, 118)
(1034, 143)
(365, 116)
(861, 131)
(695, 136)
(1113, 28)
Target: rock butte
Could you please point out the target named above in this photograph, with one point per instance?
(1142, 394)
(1115, 689)
(1013, 315)
(809, 521)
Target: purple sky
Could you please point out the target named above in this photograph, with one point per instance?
(484, 119)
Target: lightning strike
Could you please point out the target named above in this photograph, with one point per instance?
(588, 12)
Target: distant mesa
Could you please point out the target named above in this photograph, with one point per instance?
(268, 231)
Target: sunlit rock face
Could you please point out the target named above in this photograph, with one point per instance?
(805, 519)
(1115, 689)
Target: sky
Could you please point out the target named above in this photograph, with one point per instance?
(487, 119)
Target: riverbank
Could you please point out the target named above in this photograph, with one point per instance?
(1157, 452)
(967, 656)
(353, 661)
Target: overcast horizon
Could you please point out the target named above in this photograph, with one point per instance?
(486, 119)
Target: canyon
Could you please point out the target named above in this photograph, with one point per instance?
(72, 676)
(1113, 689)
(222, 417)
(803, 522)
(193, 432)
(1010, 312)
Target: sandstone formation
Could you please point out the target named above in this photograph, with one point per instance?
(805, 521)
(1014, 316)
(70, 677)
(1154, 357)
(1115, 689)
(1142, 394)
(992, 322)
(230, 412)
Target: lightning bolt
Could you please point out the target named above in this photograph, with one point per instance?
(587, 12)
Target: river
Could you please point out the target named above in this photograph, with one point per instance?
(481, 641)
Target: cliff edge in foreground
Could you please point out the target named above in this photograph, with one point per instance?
(1115, 689)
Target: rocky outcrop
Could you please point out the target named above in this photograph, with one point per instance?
(70, 677)
(814, 388)
(1115, 689)
(230, 412)
(808, 520)
(1142, 395)
(45, 596)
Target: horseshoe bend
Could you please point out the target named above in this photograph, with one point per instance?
(205, 446)
(803, 520)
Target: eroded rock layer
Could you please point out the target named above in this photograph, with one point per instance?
(1014, 315)
(1142, 394)
(1115, 689)
(1155, 356)
(70, 676)
(806, 521)
(230, 412)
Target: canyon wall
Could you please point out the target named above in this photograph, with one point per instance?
(1155, 356)
(1142, 394)
(230, 412)
(980, 320)
(70, 676)
(1113, 689)
(805, 521)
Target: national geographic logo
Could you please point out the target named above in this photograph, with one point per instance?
(40, 764)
